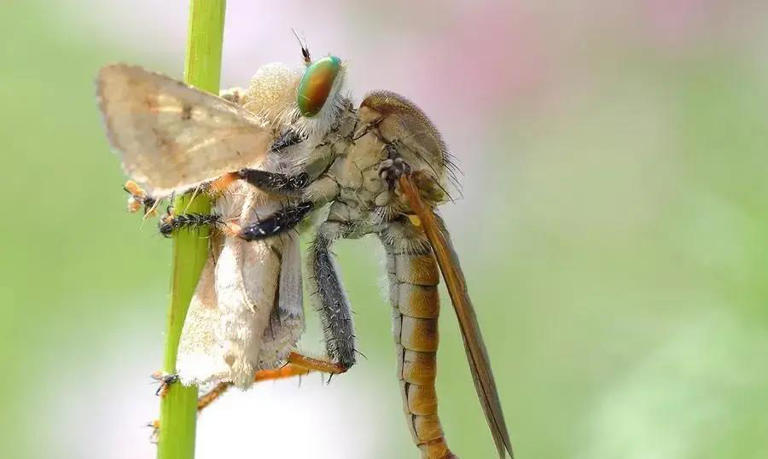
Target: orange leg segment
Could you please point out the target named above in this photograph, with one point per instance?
(298, 365)
(223, 182)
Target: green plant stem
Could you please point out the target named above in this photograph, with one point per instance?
(178, 408)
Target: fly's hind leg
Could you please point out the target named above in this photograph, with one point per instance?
(298, 365)
(332, 303)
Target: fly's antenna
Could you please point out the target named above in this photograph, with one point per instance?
(304, 47)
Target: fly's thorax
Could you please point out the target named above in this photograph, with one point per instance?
(356, 170)
(402, 125)
(316, 153)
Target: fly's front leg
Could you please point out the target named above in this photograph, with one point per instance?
(313, 196)
(332, 303)
(283, 220)
(138, 198)
(171, 222)
(165, 381)
(273, 182)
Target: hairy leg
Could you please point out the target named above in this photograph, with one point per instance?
(282, 220)
(332, 303)
(273, 182)
(298, 365)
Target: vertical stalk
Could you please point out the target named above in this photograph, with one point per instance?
(178, 408)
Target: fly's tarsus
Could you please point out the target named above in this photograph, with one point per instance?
(139, 198)
(165, 381)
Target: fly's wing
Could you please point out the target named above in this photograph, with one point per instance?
(172, 137)
(480, 365)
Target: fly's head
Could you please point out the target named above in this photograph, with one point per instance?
(318, 96)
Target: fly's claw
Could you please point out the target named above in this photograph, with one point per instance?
(166, 225)
(392, 169)
(165, 381)
(139, 198)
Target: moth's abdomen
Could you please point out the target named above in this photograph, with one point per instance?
(413, 293)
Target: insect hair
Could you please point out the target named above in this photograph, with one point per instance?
(304, 47)
(193, 221)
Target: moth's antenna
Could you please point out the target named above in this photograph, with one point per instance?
(304, 47)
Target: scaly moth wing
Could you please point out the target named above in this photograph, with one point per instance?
(172, 137)
(247, 312)
(286, 322)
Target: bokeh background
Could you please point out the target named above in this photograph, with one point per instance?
(613, 229)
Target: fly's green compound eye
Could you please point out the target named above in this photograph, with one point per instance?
(316, 84)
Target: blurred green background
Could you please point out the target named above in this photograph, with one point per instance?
(613, 229)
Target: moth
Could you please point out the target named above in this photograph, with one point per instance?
(378, 168)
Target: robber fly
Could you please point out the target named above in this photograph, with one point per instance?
(380, 168)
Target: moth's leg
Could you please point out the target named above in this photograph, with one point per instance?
(332, 303)
(298, 365)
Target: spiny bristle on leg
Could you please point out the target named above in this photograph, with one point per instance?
(170, 223)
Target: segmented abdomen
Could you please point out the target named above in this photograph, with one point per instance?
(413, 281)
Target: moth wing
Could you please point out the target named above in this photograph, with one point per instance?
(477, 355)
(286, 322)
(172, 137)
(200, 358)
(246, 285)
